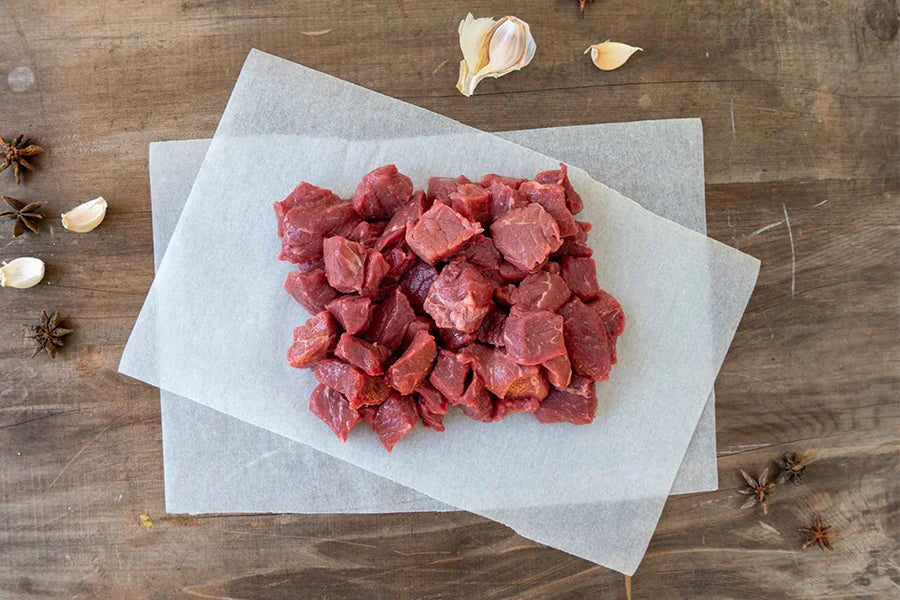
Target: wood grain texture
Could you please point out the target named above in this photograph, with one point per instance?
(800, 104)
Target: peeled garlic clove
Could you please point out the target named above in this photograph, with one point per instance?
(85, 216)
(611, 55)
(492, 49)
(22, 273)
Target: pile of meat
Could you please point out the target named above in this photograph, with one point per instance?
(481, 295)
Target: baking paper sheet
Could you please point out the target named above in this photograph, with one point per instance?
(214, 463)
(216, 323)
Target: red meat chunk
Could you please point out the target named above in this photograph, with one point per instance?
(509, 273)
(367, 233)
(334, 410)
(613, 318)
(542, 290)
(361, 354)
(375, 270)
(503, 294)
(313, 340)
(532, 336)
(586, 340)
(577, 244)
(507, 406)
(418, 324)
(505, 198)
(454, 339)
(439, 233)
(580, 274)
(396, 227)
(400, 259)
(440, 188)
(391, 319)
(552, 267)
(526, 236)
(558, 371)
(430, 419)
(353, 312)
(553, 198)
(491, 329)
(305, 227)
(432, 406)
(381, 192)
(310, 289)
(355, 385)
(477, 403)
(449, 375)
(472, 201)
(345, 263)
(414, 364)
(501, 375)
(304, 195)
(460, 297)
(561, 177)
(576, 404)
(394, 419)
(491, 178)
(416, 283)
(481, 252)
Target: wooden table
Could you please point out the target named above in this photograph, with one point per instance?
(800, 109)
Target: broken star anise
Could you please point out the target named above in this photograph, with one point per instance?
(48, 336)
(758, 490)
(14, 153)
(26, 215)
(792, 466)
(821, 535)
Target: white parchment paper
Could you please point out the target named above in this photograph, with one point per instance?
(216, 323)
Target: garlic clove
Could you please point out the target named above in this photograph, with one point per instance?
(22, 273)
(611, 55)
(85, 216)
(492, 49)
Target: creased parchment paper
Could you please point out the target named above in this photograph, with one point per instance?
(216, 323)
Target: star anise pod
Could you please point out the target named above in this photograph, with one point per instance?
(792, 466)
(14, 153)
(48, 336)
(758, 490)
(821, 535)
(26, 215)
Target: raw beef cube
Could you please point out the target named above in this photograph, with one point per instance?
(586, 340)
(414, 364)
(439, 233)
(381, 192)
(460, 297)
(561, 177)
(311, 265)
(391, 319)
(526, 236)
(503, 294)
(345, 263)
(476, 402)
(394, 419)
(367, 413)
(472, 201)
(400, 259)
(501, 375)
(416, 283)
(505, 198)
(334, 410)
(491, 329)
(449, 375)
(543, 290)
(353, 312)
(481, 252)
(355, 385)
(558, 371)
(552, 197)
(375, 271)
(552, 267)
(580, 274)
(440, 188)
(533, 336)
(577, 244)
(305, 227)
(454, 339)
(432, 406)
(507, 406)
(367, 233)
(418, 324)
(510, 273)
(361, 354)
(576, 404)
(305, 195)
(313, 340)
(491, 178)
(613, 318)
(310, 289)
(396, 227)
(430, 419)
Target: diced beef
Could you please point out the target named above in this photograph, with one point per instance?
(375, 270)
(418, 324)
(503, 294)
(502, 375)
(558, 370)
(394, 419)
(414, 364)
(432, 398)
(481, 252)
(561, 177)
(491, 178)
(305, 195)
(510, 273)
(586, 340)
(576, 404)
(396, 227)
(472, 201)
(439, 233)
(381, 192)
(553, 198)
(440, 188)
(551, 266)
(391, 319)
(491, 329)
(313, 341)
(367, 414)
(526, 236)
(334, 410)
(305, 227)
(310, 289)
(350, 381)
(477, 403)
(431, 419)
(533, 336)
(580, 274)
(613, 318)
(577, 244)
(367, 233)
(505, 198)
(400, 259)
(507, 406)
(354, 313)
(542, 290)
(416, 283)
(345, 263)
(361, 354)
(449, 375)
(460, 297)
(455, 339)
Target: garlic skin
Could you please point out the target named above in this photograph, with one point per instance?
(609, 56)
(22, 273)
(86, 216)
(492, 49)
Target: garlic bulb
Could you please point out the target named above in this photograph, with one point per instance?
(85, 216)
(492, 49)
(611, 55)
(22, 273)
